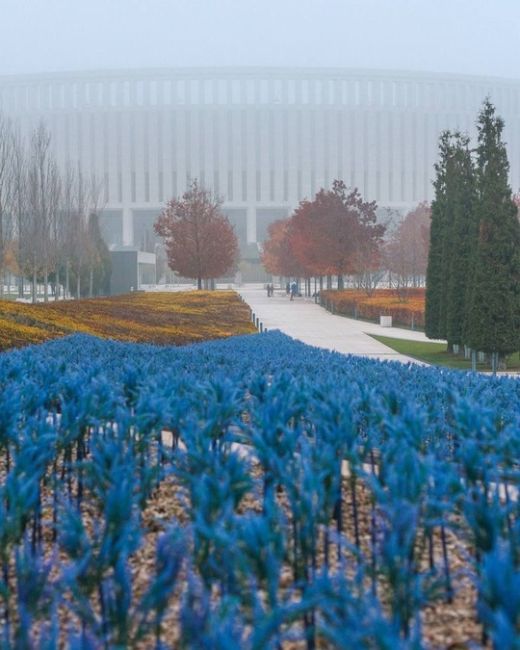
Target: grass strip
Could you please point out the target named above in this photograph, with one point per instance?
(436, 354)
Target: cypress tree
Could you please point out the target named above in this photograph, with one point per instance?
(99, 261)
(461, 233)
(437, 270)
(494, 307)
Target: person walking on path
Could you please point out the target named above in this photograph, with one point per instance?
(294, 290)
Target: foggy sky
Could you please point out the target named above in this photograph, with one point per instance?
(478, 37)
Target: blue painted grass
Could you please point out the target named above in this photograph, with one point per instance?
(350, 561)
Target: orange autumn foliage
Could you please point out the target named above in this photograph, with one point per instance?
(162, 318)
(334, 234)
(383, 302)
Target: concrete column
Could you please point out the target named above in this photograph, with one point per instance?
(264, 139)
(250, 157)
(180, 152)
(169, 144)
(154, 152)
(139, 154)
(113, 165)
(128, 226)
(251, 224)
(372, 146)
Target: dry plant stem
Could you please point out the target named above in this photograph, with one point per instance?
(373, 531)
(353, 487)
(447, 576)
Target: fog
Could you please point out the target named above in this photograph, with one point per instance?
(298, 93)
(462, 36)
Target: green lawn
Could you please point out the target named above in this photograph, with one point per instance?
(436, 354)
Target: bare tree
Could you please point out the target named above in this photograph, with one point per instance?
(87, 198)
(69, 223)
(407, 250)
(93, 238)
(55, 226)
(48, 217)
(80, 200)
(370, 259)
(6, 190)
(42, 200)
(19, 205)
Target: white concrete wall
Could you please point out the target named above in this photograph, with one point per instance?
(284, 133)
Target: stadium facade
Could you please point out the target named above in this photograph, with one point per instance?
(263, 139)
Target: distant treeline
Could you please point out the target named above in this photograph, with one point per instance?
(49, 230)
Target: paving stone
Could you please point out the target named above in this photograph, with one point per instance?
(306, 321)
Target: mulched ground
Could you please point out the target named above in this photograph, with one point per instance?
(445, 624)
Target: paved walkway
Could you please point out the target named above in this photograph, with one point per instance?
(302, 319)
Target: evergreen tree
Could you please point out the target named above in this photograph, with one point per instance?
(494, 307)
(462, 232)
(96, 267)
(437, 271)
(99, 261)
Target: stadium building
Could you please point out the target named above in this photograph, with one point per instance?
(262, 138)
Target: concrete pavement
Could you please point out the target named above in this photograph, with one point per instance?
(306, 321)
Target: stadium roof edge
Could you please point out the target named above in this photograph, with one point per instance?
(250, 71)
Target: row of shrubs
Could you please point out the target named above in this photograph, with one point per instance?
(406, 309)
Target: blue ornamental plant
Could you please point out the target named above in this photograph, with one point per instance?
(317, 497)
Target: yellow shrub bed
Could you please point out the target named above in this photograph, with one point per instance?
(162, 318)
(407, 310)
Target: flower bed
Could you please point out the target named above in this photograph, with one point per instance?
(163, 318)
(371, 505)
(383, 302)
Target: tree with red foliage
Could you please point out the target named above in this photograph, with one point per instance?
(277, 254)
(200, 242)
(516, 201)
(306, 234)
(407, 251)
(332, 233)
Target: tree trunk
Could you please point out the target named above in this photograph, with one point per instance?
(340, 283)
(67, 281)
(494, 362)
(45, 285)
(91, 282)
(329, 281)
(33, 286)
(78, 286)
(199, 283)
(20, 286)
(57, 289)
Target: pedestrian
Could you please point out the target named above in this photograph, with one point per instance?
(294, 290)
